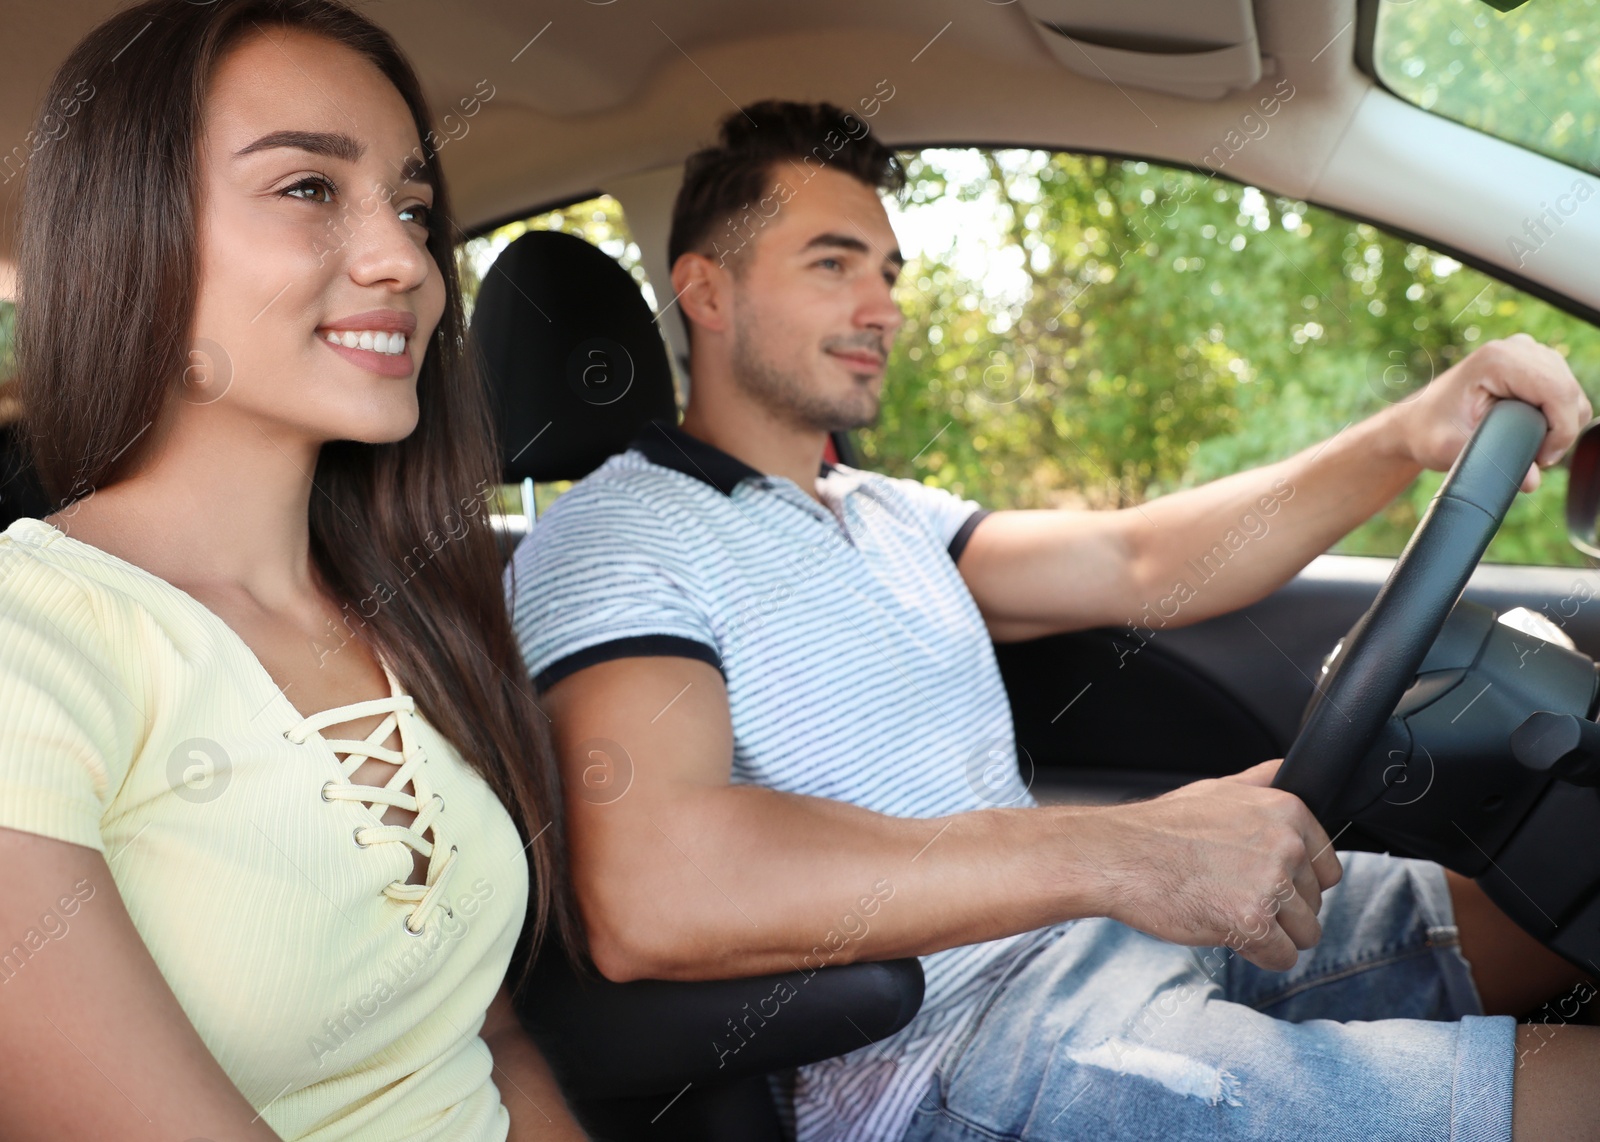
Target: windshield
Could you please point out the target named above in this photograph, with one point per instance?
(1530, 76)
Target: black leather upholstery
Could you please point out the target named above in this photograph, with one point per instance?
(574, 359)
(651, 1037)
(20, 494)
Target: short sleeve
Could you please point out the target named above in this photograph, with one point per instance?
(70, 722)
(602, 575)
(952, 518)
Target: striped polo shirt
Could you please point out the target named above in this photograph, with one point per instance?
(857, 666)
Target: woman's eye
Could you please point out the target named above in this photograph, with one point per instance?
(426, 213)
(314, 183)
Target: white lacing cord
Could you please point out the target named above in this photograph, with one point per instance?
(423, 801)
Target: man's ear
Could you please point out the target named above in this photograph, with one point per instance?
(704, 290)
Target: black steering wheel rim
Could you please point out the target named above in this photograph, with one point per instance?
(1380, 656)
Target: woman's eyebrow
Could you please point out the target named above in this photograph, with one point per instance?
(334, 145)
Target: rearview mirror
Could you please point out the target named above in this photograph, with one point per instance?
(1583, 491)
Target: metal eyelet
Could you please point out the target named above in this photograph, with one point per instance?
(405, 922)
(356, 834)
(439, 797)
(325, 796)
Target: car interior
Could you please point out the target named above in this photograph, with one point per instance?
(1359, 670)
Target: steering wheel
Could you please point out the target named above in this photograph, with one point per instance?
(1379, 658)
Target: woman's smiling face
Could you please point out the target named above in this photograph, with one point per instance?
(312, 221)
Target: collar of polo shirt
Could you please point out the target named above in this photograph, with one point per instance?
(671, 447)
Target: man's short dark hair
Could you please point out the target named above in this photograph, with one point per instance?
(720, 201)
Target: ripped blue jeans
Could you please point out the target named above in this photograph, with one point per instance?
(1106, 1033)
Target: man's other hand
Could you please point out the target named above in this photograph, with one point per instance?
(1435, 424)
(1228, 861)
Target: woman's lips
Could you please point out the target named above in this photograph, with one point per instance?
(384, 364)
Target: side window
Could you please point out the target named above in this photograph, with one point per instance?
(18, 495)
(10, 408)
(1525, 73)
(1089, 332)
(600, 222)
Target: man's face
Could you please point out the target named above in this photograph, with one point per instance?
(813, 316)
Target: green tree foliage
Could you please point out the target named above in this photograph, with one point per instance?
(1531, 75)
(10, 408)
(1177, 327)
(8, 320)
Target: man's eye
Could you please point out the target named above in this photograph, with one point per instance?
(835, 263)
(313, 183)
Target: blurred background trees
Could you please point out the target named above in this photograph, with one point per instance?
(1175, 327)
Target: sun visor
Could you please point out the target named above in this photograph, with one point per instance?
(1201, 49)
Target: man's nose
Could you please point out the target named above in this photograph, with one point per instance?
(879, 310)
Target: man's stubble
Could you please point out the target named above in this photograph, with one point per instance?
(786, 392)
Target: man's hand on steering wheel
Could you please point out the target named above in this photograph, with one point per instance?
(1436, 422)
(1227, 862)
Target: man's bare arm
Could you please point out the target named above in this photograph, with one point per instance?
(1209, 550)
(682, 875)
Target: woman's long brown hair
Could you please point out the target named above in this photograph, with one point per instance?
(108, 279)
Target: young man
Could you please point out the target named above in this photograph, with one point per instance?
(771, 688)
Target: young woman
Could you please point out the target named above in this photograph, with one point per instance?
(275, 797)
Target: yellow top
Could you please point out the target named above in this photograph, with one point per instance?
(134, 721)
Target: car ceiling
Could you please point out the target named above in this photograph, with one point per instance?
(600, 93)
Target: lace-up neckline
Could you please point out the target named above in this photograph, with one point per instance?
(422, 834)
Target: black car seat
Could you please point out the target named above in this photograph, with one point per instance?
(20, 493)
(577, 366)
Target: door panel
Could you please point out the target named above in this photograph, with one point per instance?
(1108, 714)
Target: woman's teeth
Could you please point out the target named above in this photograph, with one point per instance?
(390, 344)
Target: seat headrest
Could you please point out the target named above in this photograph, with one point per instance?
(20, 493)
(574, 361)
